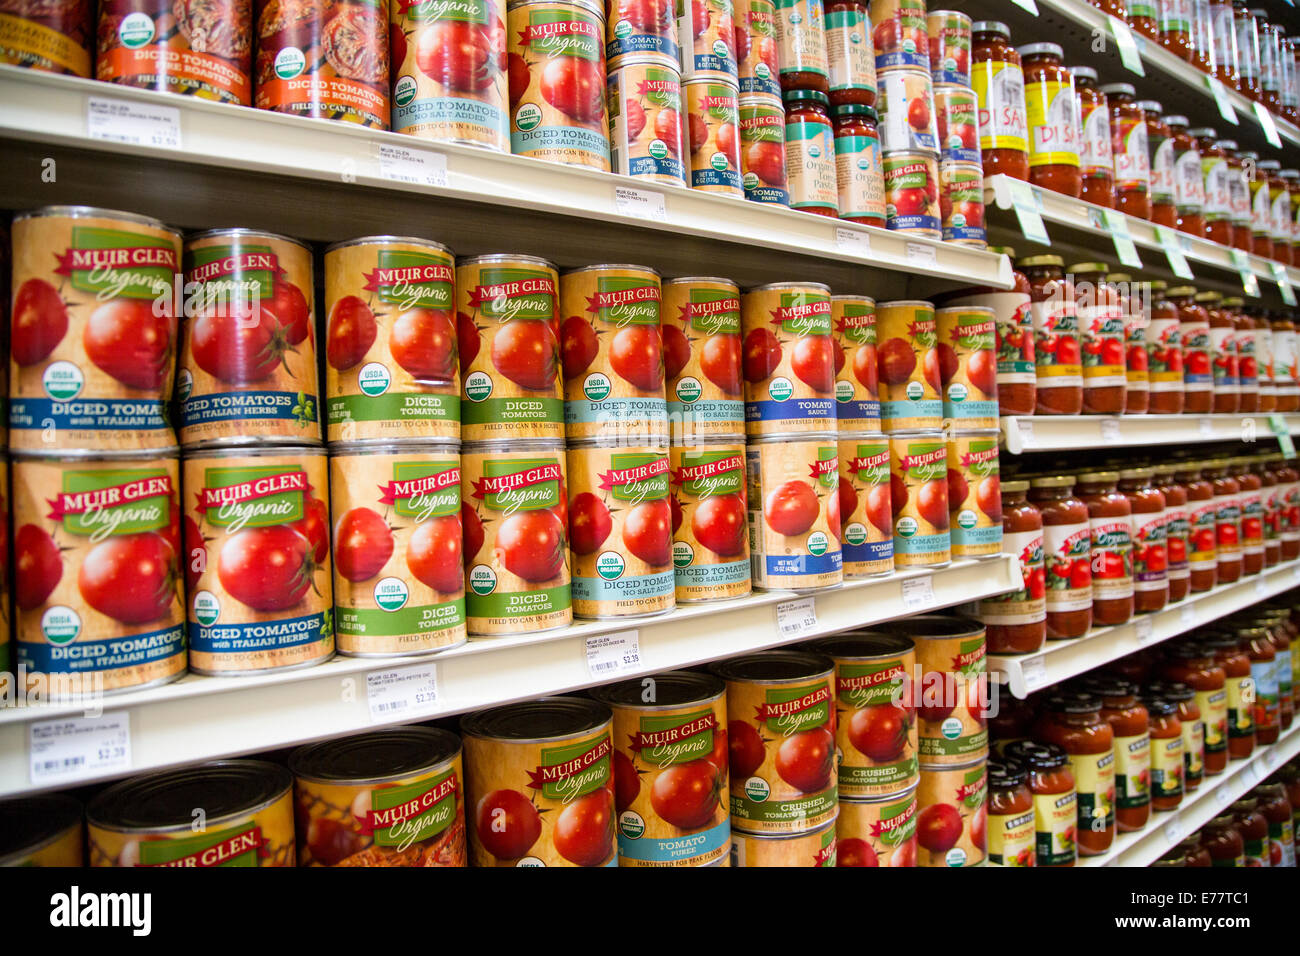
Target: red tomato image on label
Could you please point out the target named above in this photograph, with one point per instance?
(267, 569)
(507, 824)
(911, 201)
(937, 697)
(39, 322)
(232, 349)
(918, 114)
(930, 362)
(676, 507)
(978, 826)
(460, 54)
(897, 361)
(289, 308)
(766, 160)
(648, 533)
(433, 554)
(948, 363)
(38, 566)
(131, 578)
(698, 132)
(720, 524)
(677, 351)
(686, 794)
(627, 782)
(125, 339)
(637, 356)
(635, 118)
(520, 77)
(865, 369)
(352, 330)
(363, 543)
(589, 523)
(648, 16)
(838, 352)
(791, 508)
(468, 341)
(315, 527)
(1112, 352)
(939, 828)
(719, 755)
(982, 370)
(762, 354)
(813, 361)
(720, 362)
(423, 343)
(879, 512)
(932, 503)
(745, 749)
(988, 495)
(833, 516)
(855, 852)
(806, 759)
(897, 495)
(576, 87)
(958, 488)
(668, 127)
(473, 531)
(580, 345)
(526, 352)
(531, 545)
(848, 502)
(728, 141)
(879, 732)
(584, 832)
(331, 841)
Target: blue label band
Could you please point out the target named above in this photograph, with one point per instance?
(99, 414)
(80, 657)
(257, 636)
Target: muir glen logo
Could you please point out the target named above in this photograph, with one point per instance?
(623, 302)
(508, 294)
(711, 313)
(410, 279)
(98, 504)
(551, 33)
(788, 711)
(800, 314)
(233, 498)
(511, 485)
(663, 741)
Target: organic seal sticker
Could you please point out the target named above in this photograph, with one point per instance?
(482, 580)
(404, 91)
(596, 387)
(688, 390)
(610, 565)
(818, 542)
(951, 728)
(60, 625)
(374, 379)
(780, 389)
(478, 386)
(757, 789)
(289, 62)
(391, 594)
(135, 30)
(631, 824)
(207, 609)
(528, 117)
(62, 381)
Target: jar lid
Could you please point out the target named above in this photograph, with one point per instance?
(1052, 481)
(1182, 291)
(1234, 302)
(1037, 49)
(1159, 707)
(1033, 261)
(1119, 277)
(1244, 805)
(1150, 106)
(1186, 650)
(1190, 465)
(1014, 487)
(1125, 88)
(1103, 686)
(1226, 144)
(1127, 474)
(1251, 154)
(1097, 477)
(1003, 251)
(1266, 163)
(1208, 297)
(1074, 702)
(1088, 268)
(1220, 642)
(1006, 774)
(1169, 690)
(1176, 119)
(991, 26)
(1087, 72)
(1168, 468)
(1291, 174)
(1224, 821)
(856, 109)
(1157, 285)
(813, 96)
(1203, 132)
(1037, 756)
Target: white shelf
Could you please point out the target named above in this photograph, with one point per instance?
(1060, 660)
(1022, 434)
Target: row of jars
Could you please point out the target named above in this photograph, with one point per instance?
(1258, 830)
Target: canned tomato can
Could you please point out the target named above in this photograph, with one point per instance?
(756, 47)
(391, 797)
(324, 60)
(810, 161)
(859, 170)
(912, 194)
(911, 382)
(670, 769)
(899, 34)
(952, 820)
(391, 369)
(620, 530)
(788, 358)
(974, 494)
(248, 349)
(539, 782)
(257, 548)
(41, 831)
(706, 38)
(851, 60)
(950, 46)
(857, 381)
(507, 327)
(961, 204)
(515, 510)
(96, 552)
(710, 520)
(875, 733)
(814, 848)
(918, 494)
(907, 112)
(247, 817)
(613, 353)
(780, 731)
(645, 118)
(399, 578)
(794, 512)
(879, 832)
(51, 37)
(951, 692)
(867, 535)
(557, 81)
(1014, 337)
(92, 332)
(762, 150)
(702, 364)
(6, 595)
(968, 366)
(200, 48)
(956, 115)
(713, 115)
(801, 45)
(636, 28)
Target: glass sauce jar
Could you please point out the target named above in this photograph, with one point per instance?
(1101, 328)
(1198, 369)
(1288, 479)
(1014, 721)
(1223, 353)
(1247, 51)
(1217, 177)
(1240, 685)
(1272, 801)
(1074, 723)
(1010, 815)
(1096, 160)
(1261, 208)
(1247, 355)
(1290, 776)
(1128, 132)
(1263, 359)
(1280, 214)
(1191, 726)
(1109, 522)
(1137, 392)
(860, 177)
(1058, 370)
(1016, 622)
(1225, 43)
(1259, 648)
(1051, 119)
(1280, 635)
(1055, 800)
(1222, 840)
(1150, 550)
(1271, 493)
(1067, 554)
(1163, 345)
(1254, 831)
(1186, 662)
(849, 56)
(1194, 854)
(1166, 733)
(1251, 501)
(1238, 197)
(1177, 530)
(1284, 363)
(1129, 722)
(1160, 155)
(1227, 522)
(1176, 27)
(811, 172)
(1202, 513)
(998, 80)
(1189, 182)
(1144, 17)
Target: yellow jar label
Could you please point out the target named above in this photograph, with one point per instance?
(1133, 771)
(1167, 766)
(1056, 821)
(1094, 779)
(1011, 838)
(1214, 708)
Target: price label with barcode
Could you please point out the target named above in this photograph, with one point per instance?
(918, 592)
(1034, 671)
(1283, 281)
(609, 655)
(137, 124)
(1117, 225)
(921, 254)
(640, 203)
(1174, 832)
(1247, 273)
(1220, 94)
(1173, 247)
(77, 748)
(1110, 430)
(796, 618)
(854, 241)
(420, 167)
(1187, 615)
(1128, 48)
(1207, 427)
(1025, 202)
(1144, 631)
(1265, 119)
(405, 692)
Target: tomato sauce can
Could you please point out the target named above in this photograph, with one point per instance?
(950, 46)
(961, 204)
(515, 510)
(636, 28)
(645, 119)
(956, 112)
(968, 366)
(756, 47)
(867, 527)
(391, 369)
(710, 520)
(951, 690)
(762, 149)
(702, 361)
(810, 849)
(399, 578)
(53, 38)
(507, 327)
(918, 493)
(670, 769)
(788, 358)
(200, 48)
(42, 831)
(879, 832)
(794, 512)
(857, 379)
(1014, 337)
(974, 494)
(712, 132)
(907, 353)
(247, 817)
(781, 733)
(912, 194)
(392, 797)
(706, 38)
(257, 550)
(557, 86)
(92, 331)
(900, 34)
(907, 121)
(96, 550)
(248, 347)
(540, 784)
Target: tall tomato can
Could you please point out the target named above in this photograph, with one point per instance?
(712, 129)
(7, 597)
(710, 519)
(756, 47)
(706, 37)
(701, 332)
(952, 822)
(879, 832)
(906, 104)
(974, 494)
(912, 194)
(951, 691)
(640, 28)
(814, 848)
(1013, 320)
(762, 150)
(900, 34)
(801, 45)
(909, 370)
(918, 479)
(53, 38)
(645, 120)
(950, 46)
(867, 533)
(857, 379)
(956, 115)
(961, 204)
(968, 366)
(788, 358)
(794, 512)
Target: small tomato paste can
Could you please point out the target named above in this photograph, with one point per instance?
(867, 534)
(907, 112)
(968, 366)
(670, 769)
(781, 733)
(257, 548)
(706, 38)
(756, 47)
(515, 510)
(97, 580)
(557, 81)
(324, 60)
(507, 327)
(909, 369)
(857, 381)
(620, 530)
(200, 48)
(899, 34)
(801, 44)
(636, 28)
(51, 37)
(951, 690)
(399, 578)
(613, 353)
(701, 332)
(953, 818)
(794, 512)
(918, 494)
(712, 121)
(247, 817)
(850, 58)
(645, 118)
(875, 733)
(788, 358)
(404, 383)
(248, 355)
(912, 194)
(710, 520)
(950, 46)
(961, 204)
(540, 785)
(879, 832)
(92, 332)
(391, 797)
(814, 848)
(42, 831)
(974, 494)
(956, 112)
(858, 167)
(762, 150)
(811, 167)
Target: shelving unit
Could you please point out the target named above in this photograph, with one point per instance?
(1041, 433)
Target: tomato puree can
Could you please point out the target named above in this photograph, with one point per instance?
(620, 530)
(788, 358)
(918, 496)
(645, 118)
(391, 369)
(907, 112)
(912, 194)
(702, 364)
(899, 34)
(780, 730)
(713, 108)
(247, 817)
(200, 48)
(392, 797)
(399, 578)
(43, 831)
(813, 848)
(710, 520)
(97, 586)
(968, 366)
(961, 204)
(706, 38)
(866, 521)
(879, 832)
(974, 494)
(515, 510)
(951, 691)
(51, 37)
(950, 46)
(1014, 339)
(762, 149)
(670, 769)
(956, 113)
(953, 817)
(794, 512)
(92, 331)
(507, 327)
(756, 47)
(539, 783)
(248, 354)
(641, 28)
(257, 550)
(857, 379)
(907, 353)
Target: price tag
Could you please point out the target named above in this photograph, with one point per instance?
(921, 254)
(640, 203)
(1187, 616)
(1271, 759)
(1026, 427)
(796, 618)
(1174, 832)
(1207, 427)
(1266, 122)
(1295, 571)
(75, 748)
(1144, 631)
(1250, 773)
(402, 693)
(918, 592)
(1220, 94)
(1283, 282)
(1174, 252)
(1034, 671)
(611, 654)
(1110, 429)
(1278, 426)
(419, 167)
(137, 124)
(1027, 5)
(1117, 224)
(1248, 280)
(1128, 48)
(853, 241)
(1222, 795)
(1261, 588)
(1026, 206)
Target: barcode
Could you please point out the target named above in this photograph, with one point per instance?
(391, 705)
(604, 665)
(66, 764)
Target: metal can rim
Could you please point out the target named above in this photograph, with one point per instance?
(277, 781)
(349, 448)
(300, 761)
(730, 283)
(630, 267)
(884, 797)
(94, 212)
(710, 686)
(777, 286)
(474, 725)
(142, 454)
(493, 257)
(376, 240)
(243, 232)
(485, 445)
(727, 669)
(790, 437)
(256, 451)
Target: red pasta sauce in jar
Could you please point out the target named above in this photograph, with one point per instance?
(1056, 336)
(1163, 342)
(1128, 133)
(1074, 723)
(1188, 663)
(1096, 162)
(1177, 529)
(998, 79)
(1251, 502)
(1101, 332)
(1109, 521)
(1227, 522)
(1016, 622)
(1051, 120)
(1150, 551)
(1194, 329)
(1067, 555)
(1133, 299)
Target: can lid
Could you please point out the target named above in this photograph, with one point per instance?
(925, 626)
(1052, 481)
(812, 96)
(382, 754)
(1150, 106)
(604, 266)
(1203, 132)
(1003, 251)
(238, 232)
(462, 263)
(547, 717)
(1074, 702)
(795, 286)
(1087, 72)
(672, 689)
(93, 212)
(1033, 261)
(991, 26)
(777, 665)
(28, 822)
(1159, 706)
(1118, 277)
(1176, 119)
(853, 298)
(1125, 88)
(1036, 49)
(1234, 302)
(1157, 285)
(1006, 774)
(167, 799)
(864, 644)
(685, 280)
(1208, 297)
(1127, 474)
(857, 109)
